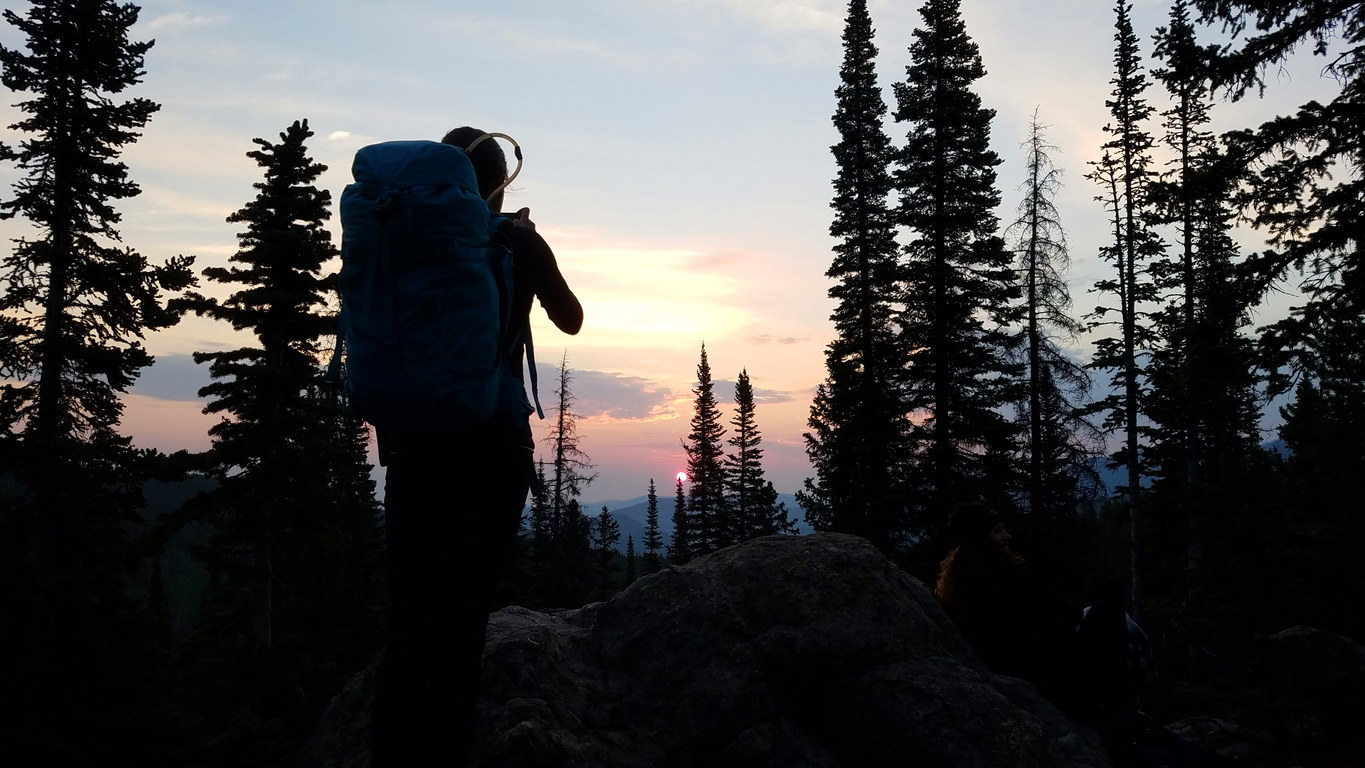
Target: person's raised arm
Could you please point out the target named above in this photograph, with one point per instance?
(542, 271)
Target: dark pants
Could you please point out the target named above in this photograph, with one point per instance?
(452, 515)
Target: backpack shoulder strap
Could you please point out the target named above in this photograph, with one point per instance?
(516, 330)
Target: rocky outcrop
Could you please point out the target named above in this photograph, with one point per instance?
(810, 652)
(1320, 677)
(1297, 699)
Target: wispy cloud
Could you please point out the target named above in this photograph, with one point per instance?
(532, 35)
(795, 14)
(175, 22)
(605, 394)
(767, 338)
(824, 15)
(347, 140)
(616, 396)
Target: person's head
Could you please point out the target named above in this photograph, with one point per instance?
(982, 545)
(975, 525)
(490, 164)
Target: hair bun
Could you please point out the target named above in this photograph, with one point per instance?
(972, 521)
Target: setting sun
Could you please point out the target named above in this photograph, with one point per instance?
(682, 477)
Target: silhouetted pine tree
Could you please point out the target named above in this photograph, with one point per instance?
(1125, 173)
(710, 519)
(1318, 543)
(654, 541)
(1308, 196)
(1203, 398)
(780, 517)
(960, 291)
(294, 550)
(75, 308)
(539, 523)
(682, 549)
(1060, 443)
(573, 580)
(606, 531)
(348, 559)
(1175, 197)
(606, 534)
(569, 465)
(632, 564)
(523, 582)
(565, 576)
(753, 508)
(358, 523)
(859, 419)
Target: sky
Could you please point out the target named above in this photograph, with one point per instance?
(676, 159)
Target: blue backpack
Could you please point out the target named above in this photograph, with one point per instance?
(426, 294)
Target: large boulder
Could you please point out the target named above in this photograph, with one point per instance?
(809, 651)
(1297, 699)
(1319, 677)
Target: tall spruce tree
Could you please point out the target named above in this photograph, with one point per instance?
(653, 541)
(1125, 173)
(539, 522)
(75, 307)
(523, 583)
(294, 552)
(1310, 192)
(632, 561)
(1175, 198)
(683, 547)
(606, 535)
(1177, 193)
(710, 519)
(752, 503)
(576, 551)
(1319, 540)
(960, 290)
(1308, 197)
(859, 419)
(1203, 394)
(1060, 442)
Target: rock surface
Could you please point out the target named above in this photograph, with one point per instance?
(1300, 700)
(801, 652)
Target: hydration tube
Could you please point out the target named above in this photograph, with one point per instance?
(516, 150)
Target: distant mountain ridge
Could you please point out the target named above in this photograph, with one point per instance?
(631, 513)
(1113, 478)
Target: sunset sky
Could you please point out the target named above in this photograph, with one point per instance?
(677, 160)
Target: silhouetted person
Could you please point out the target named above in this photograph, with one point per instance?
(1119, 670)
(1018, 624)
(1093, 665)
(453, 503)
(1116, 655)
